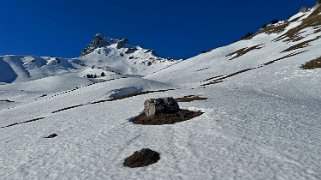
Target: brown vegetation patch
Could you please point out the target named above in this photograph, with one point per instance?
(227, 76)
(141, 158)
(316, 63)
(311, 21)
(301, 45)
(243, 51)
(67, 108)
(160, 119)
(275, 28)
(284, 57)
(28, 121)
(190, 98)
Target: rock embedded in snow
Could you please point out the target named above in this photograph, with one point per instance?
(141, 158)
(166, 105)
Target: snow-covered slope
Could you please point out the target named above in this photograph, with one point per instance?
(261, 119)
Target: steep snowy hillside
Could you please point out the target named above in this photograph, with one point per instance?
(260, 99)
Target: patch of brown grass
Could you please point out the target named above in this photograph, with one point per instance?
(311, 21)
(227, 76)
(243, 51)
(67, 108)
(160, 119)
(301, 45)
(24, 122)
(141, 158)
(190, 98)
(284, 57)
(314, 64)
(274, 28)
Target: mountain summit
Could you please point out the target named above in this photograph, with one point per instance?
(100, 41)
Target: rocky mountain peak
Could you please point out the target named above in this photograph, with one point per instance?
(100, 41)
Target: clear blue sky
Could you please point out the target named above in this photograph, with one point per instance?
(174, 28)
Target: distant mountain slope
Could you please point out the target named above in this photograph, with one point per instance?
(103, 55)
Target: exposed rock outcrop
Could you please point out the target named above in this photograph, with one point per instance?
(166, 105)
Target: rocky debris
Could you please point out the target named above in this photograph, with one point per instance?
(141, 158)
(166, 105)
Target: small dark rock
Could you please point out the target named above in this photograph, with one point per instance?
(52, 136)
(141, 158)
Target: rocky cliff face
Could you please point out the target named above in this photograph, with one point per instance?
(100, 41)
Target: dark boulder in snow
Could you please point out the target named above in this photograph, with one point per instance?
(141, 158)
(166, 105)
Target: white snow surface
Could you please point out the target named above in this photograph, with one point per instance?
(263, 123)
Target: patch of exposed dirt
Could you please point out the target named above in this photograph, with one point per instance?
(218, 80)
(243, 51)
(67, 108)
(313, 64)
(301, 45)
(142, 158)
(24, 122)
(284, 57)
(190, 98)
(314, 20)
(160, 119)
(274, 28)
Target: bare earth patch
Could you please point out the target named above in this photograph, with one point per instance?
(316, 63)
(67, 108)
(301, 45)
(314, 20)
(141, 158)
(220, 79)
(243, 51)
(160, 119)
(190, 98)
(24, 122)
